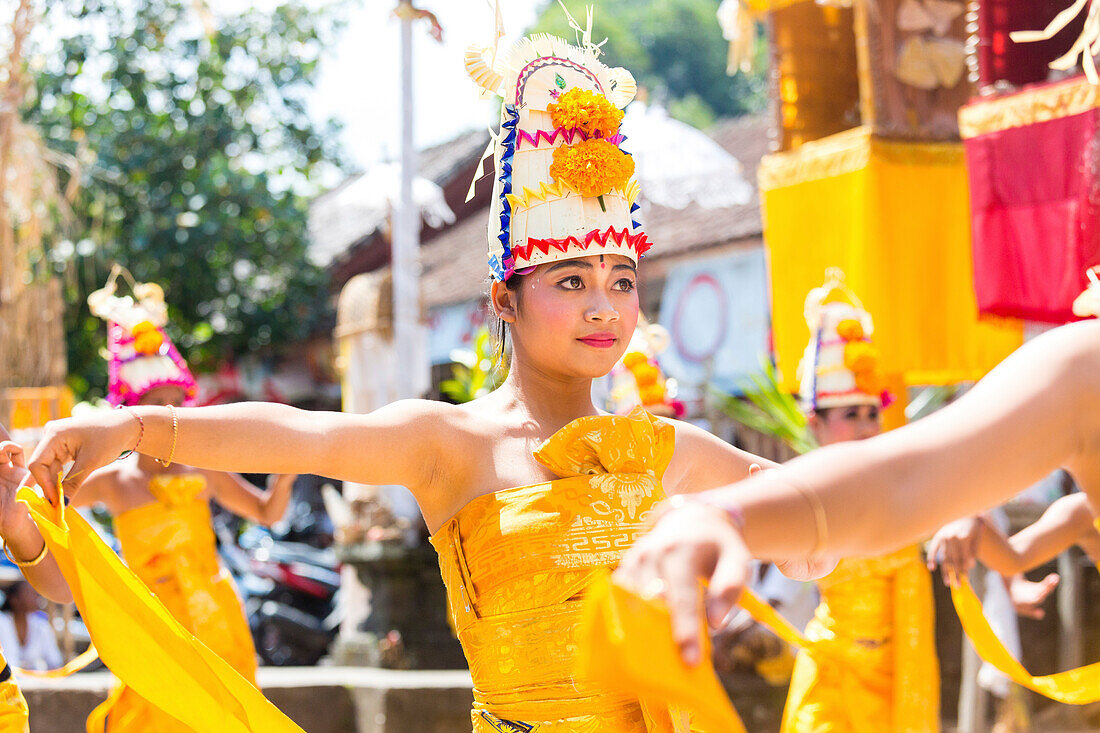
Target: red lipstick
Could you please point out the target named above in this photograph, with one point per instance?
(602, 340)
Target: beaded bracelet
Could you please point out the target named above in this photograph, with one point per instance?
(141, 432)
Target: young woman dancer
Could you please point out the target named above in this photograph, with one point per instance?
(161, 510)
(873, 665)
(528, 491)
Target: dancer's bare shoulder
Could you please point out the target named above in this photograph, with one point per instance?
(703, 461)
(464, 451)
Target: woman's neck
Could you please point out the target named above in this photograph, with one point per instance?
(548, 399)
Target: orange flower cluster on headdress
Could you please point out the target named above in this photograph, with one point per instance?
(589, 112)
(860, 357)
(592, 167)
(850, 329)
(147, 339)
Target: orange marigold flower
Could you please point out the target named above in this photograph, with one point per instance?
(869, 383)
(634, 358)
(592, 167)
(654, 394)
(589, 112)
(860, 356)
(646, 375)
(850, 329)
(147, 339)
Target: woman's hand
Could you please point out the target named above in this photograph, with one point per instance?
(13, 476)
(691, 542)
(955, 549)
(1028, 597)
(89, 442)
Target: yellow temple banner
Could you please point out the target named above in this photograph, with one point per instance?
(896, 218)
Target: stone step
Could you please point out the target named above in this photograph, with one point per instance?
(320, 699)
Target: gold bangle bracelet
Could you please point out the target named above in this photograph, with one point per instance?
(821, 526)
(175, 437)
(29, 563)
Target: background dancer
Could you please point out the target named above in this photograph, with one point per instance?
(161, 509)
(875, 668)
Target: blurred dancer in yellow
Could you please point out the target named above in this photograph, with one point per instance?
(161, 509)
(874, 666)
(530, 492)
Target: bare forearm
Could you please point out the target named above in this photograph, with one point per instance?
(276, 499)
(24, 543)
(879, 494)
(997, 553)
(251, 437)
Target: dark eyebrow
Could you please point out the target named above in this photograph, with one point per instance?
(632, 268)
(569, 263)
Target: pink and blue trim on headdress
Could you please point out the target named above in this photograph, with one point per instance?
(134, 368)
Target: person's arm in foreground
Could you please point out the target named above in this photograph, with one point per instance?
(19, 532)
(1037, 411)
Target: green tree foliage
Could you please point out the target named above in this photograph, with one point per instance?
(199, 158)
(474, 373)
(768, 409)
(675, 49)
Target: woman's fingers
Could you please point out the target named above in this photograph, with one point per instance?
(683, 594)
(726, 585)
(692, 543)
(11, 452)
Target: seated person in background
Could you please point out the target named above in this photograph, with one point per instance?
(26, 636)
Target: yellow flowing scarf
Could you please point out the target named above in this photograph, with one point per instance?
(1079, 686)
(140, 641)
(73, 666)
(626, 644)
(612, 653)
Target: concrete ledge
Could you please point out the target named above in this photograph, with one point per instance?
(320, 699)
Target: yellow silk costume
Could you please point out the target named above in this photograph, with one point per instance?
(13, 707)
(872, 664)
(517, 564)
(170, 545)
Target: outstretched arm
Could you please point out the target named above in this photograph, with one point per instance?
(239, 496)
(397, 444)
(1065, 523)
(1037, 411)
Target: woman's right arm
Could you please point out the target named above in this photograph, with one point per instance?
(1037, 411)
(396, 444)
(1061, 526)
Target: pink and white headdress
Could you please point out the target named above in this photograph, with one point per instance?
(141, 357)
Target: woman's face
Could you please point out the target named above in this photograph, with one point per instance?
(164, 395)
(572, 318)
(839, 424)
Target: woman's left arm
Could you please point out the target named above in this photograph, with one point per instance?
(239, 496)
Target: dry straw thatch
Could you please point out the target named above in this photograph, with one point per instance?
(33, 208)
